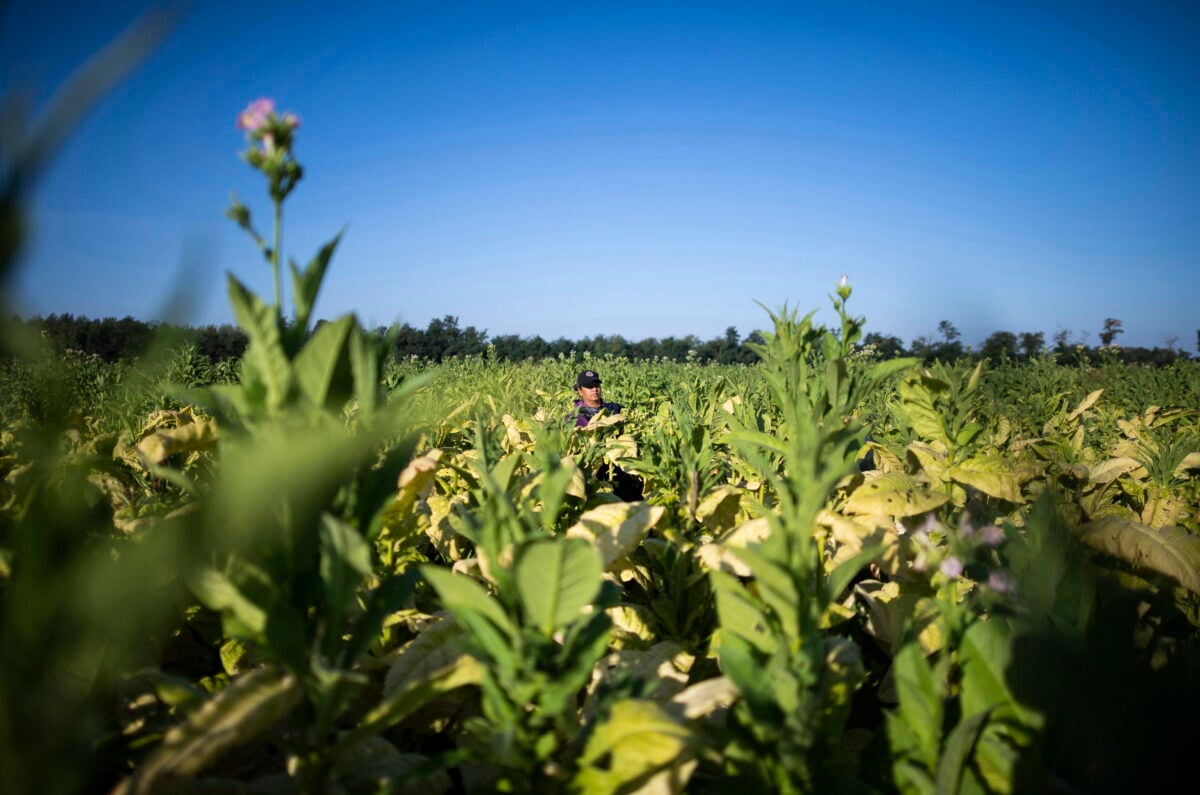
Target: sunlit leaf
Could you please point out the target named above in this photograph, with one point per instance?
(556, 579)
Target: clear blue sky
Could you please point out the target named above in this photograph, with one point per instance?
(641, 168)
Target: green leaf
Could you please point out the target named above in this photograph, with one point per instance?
(776, 587)
(918, 400)
(402, 701)
(840, 578)
(959, 747)
(307, 284)
(265, 361)
(638, 740)
(345, 561)
(893, 494)
(1172, 551)
(461, 594)
(885, 370)
(739, 614)
(556, 578)
(365, 356)
(322, 367)
(217, 592)
(384, 599)
(920, 701)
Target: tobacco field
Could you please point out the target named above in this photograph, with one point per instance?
(320, 570)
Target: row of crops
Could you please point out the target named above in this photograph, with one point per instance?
(321, 571)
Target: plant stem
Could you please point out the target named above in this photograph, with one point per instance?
(277, 259)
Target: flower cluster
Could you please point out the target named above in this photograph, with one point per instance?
(270, 135)
(969, 551)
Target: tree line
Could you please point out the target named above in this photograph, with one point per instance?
(114, 339)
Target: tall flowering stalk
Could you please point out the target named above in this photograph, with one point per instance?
(269, 137)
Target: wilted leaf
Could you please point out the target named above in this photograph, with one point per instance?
(250, 704)
(1172, 551)
(414, 480)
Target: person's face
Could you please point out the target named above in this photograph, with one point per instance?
(590, 395)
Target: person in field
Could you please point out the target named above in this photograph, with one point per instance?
(591, 399)
(589, 403)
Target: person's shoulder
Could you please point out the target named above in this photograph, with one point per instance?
(613, 407)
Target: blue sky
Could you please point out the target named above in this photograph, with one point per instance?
(645, 169)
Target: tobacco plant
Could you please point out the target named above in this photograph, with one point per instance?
(795, 681)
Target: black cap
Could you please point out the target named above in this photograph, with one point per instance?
(587, 378)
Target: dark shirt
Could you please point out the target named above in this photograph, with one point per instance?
(584, 414)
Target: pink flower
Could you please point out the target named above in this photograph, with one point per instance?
(952, 567)
(999, 582)
(992, 535)
(255, 115)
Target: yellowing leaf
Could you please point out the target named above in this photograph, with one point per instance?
(615, 529)
(991, 474)
(435, 648)
(639, 739)
(719, 509)
(1112, 468)
(930, 458)
(1085, 404)
(892, 494)
(890, 610)
(1190, 461)
(161, 445)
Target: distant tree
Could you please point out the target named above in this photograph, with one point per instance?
(1000, 346)
(948, 349)
(1062, 340)
(749, 356)
(409, 342)
(561, 346)
(1032, 343)
(645, 349)
(886, 345)
(510, 347)
(1112, 327)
